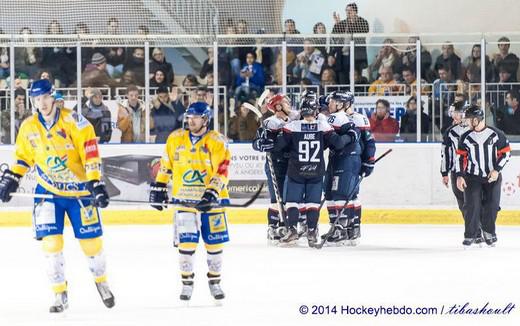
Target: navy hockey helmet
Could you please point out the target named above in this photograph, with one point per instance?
(308, 108)
(342, 97)
(308, 97)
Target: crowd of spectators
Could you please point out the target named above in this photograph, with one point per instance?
(246, 70)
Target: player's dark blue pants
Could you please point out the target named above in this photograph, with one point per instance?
(303, 191)
(341, 183)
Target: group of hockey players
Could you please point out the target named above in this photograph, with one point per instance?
(61, 146)
(295, 141)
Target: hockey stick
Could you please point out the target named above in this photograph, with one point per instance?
(277, 194)
(377, 160)
(260, 101)
(349, 197)
(253, 109)
(142, 202)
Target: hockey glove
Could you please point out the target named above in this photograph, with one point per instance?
(159, 195)
(8, 184)
(349, 129)
(99, 193)
(208, 201)
(263, 145)
(367, 168)
(345, 128)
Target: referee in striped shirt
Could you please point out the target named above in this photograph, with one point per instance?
(482, 153)
(450, 142)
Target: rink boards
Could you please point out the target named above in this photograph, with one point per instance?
(258, 216)
(405, 187)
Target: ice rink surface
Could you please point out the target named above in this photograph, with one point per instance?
(417, 266)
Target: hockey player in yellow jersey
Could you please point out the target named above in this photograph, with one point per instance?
(196, 161)
(62, 148)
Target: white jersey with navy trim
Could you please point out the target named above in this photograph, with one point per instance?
(274, 124)
(360, 120)
(338, 119)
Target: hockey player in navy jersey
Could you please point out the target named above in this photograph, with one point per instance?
(341, 107)
(282, 112)
(306, 140)
(344, 170)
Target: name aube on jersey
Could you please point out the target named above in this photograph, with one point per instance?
(309, 136)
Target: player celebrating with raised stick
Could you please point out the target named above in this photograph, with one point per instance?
(62, 147)
(196, 161)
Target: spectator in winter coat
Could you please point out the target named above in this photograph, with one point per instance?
(159, 79)
(410, 60)
(383, 126)
(224, 68)
(449, 59)
(352, 24)
(21, 112)
(244, 125)
(508, 119)
(408, 130)
(115, 56)
(136, 64)
(131, 117)
(98, 114)
(506, 59)
(27, 59)
(95, 74)
(159, 62)
(166, 115)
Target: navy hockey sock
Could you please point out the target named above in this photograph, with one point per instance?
(312, 218)
(292, 215)
(273, 217)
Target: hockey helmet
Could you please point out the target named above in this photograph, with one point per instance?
(308, 108)
(343, 97)
(473, 111)
(199, 109)
(41, 87)
(274, 101)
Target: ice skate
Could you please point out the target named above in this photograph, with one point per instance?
(60, 304)
(470, 243)
(489, 238)
(273, 236)
(106, 294)
(354, 235)
(215, 289)
(312, 237)
(302, 229)
(339, 236)
(290, 237)
(187, 288)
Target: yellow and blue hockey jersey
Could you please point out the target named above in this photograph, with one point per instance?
(195, 167)
(65, 153)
